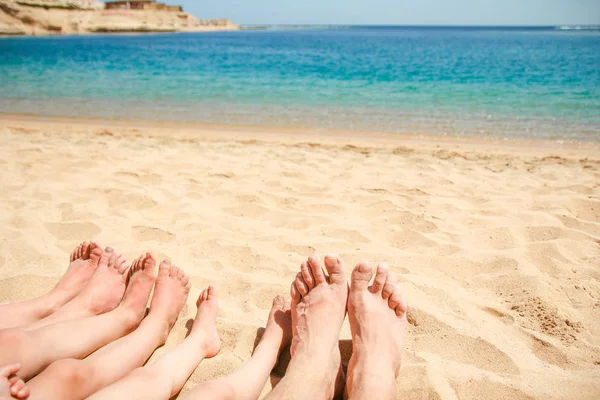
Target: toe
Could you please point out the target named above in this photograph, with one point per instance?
(136, 264)
(17, 387)
(279, 302)
(180, 274)
(288, 305)
(399, 301)
(164, 268)
(335, 269)
(72, 257)
(78, 251)
(95, 253)
(317, 270)
(24, 393)
(294, 293)
(361, 276)
(104, 258)
(121, 264)
(394, 299)
(9, 370)
(380, 278)
(307, 275)
(185, 280)
(389, 287)
(211, 293)
(81, 249)
(85, 254)
(113, 259)
(149, 265)
(301, 285)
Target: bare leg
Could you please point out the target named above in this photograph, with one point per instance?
(84, 260)
(167, 376)
(102, 294)
(377, 315)
(247, 382)
(11, 386)
(318, 311)
(77, 379)
(35, 350)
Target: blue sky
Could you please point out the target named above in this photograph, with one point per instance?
(398, 12)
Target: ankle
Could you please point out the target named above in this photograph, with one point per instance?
(52, 301)
(161, 326)
(131, 318)
(368, 374)
(319, 373)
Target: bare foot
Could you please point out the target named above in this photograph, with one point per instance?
(11, 386)
(205, 323)
(102, 294)
(318, 311)
(170, 293)
(83, 263)
(142, 276)
(377, 316)
(279, 324)
(105, 290)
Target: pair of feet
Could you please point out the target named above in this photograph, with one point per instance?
(377, 314)
(99, 280)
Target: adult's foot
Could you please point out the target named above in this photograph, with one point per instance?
(205, 323)
(318, 311)
(170, 293)
(377, 315)
(102, 294)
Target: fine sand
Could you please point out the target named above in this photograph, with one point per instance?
(496, 244)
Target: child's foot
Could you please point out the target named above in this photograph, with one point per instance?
(279, 324)
(170, 293)
(205, 323)
(105, 290)
(142, 277)
(83, 263)
(102, 294)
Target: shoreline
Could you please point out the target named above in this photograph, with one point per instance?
(290, 135)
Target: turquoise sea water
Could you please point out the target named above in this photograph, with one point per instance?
(458, 81)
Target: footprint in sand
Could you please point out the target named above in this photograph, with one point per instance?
(415, 385)
(73, 230)
(486, 389)
(148, 233)
(24, 287)
(431, 335)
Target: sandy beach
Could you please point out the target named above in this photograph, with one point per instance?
(495, 243)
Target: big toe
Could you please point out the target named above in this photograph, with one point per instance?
(335, 269)
(279, 303)
(361, 276)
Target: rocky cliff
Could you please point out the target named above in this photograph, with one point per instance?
(44, 17)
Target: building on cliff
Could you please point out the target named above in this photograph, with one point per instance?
(140, 5)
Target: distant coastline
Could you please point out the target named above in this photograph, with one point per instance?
(72, 17)
(250, 27)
